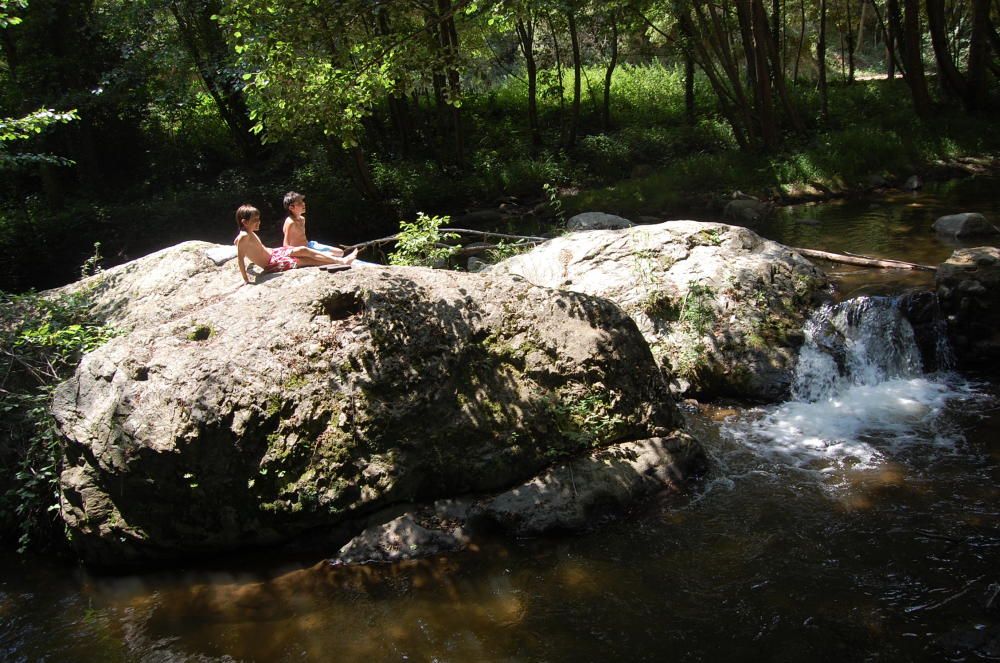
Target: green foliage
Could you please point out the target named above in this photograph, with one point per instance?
(22, 128)
(421, 242)
(504, 250)
(41, 341)
(8, 19)
(555, 203)
(586, 419)
(697, 310)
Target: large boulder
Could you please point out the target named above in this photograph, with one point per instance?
(229, 415)
(968, 289)
(966, 224)
(721, 308)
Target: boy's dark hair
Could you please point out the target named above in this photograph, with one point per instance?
(244, 214)
(292, 197)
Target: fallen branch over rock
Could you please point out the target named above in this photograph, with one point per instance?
(852, 259)
(522, 239)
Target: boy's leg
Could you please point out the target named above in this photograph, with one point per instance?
(307, 257)
(324, 248)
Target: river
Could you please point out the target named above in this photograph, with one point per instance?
(859, 522)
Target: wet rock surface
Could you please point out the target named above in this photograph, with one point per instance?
(968, 288)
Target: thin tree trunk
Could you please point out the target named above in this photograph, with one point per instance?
(892, 32)
(850, 44)
(526, 37)
(887, 34)
(762, 36)
(577, 65)
(398, 110)
(206, 45)
(802, 39)
(610, 72)
(738, 106)
(698, 52)
(976, 93)
(821, 63)
(557, 55)
(777, 74)
(860, 42)
(689, 108)
(746, 32)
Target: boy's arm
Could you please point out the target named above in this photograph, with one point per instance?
(284, 231)
(241, 257)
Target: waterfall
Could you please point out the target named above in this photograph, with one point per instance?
(859, 390)
(863, 341)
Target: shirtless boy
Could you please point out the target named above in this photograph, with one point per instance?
(249, 247)
(295, 225)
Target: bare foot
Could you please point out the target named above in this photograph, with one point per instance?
(349, 258)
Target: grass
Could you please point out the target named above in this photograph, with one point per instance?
(651, 162)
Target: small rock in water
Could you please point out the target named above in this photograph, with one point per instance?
(913, 183)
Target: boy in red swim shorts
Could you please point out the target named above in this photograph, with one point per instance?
(249, 247)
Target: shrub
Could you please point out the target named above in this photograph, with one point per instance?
(41, 341)
(421, 242)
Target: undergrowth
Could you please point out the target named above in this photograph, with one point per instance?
(42, 338)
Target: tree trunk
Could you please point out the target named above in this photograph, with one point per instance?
(911, 57)
(802, 39)
(951, 80)
(731, 102)
(777, 74)
(610, 72)
(850, 44)
(891, 32)
(888, 36)
(860, 41)
(746, 32)
(976, 93)
(207, 47)
(574, 39)
(526, 37)
(776, 32)
(768, 122)
(735, 103)
(398, 109)
(689, 108)
(824, 108)
(557, 55)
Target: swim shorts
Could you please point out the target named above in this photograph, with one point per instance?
(281, 260)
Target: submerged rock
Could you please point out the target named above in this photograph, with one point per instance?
(229, 416)
(721, 308)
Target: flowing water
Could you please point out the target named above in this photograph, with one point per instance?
(860, 520)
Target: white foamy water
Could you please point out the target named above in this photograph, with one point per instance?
(859, 394)
(856, 427)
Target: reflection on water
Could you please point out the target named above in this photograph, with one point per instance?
(895, 225)
(792, 548)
